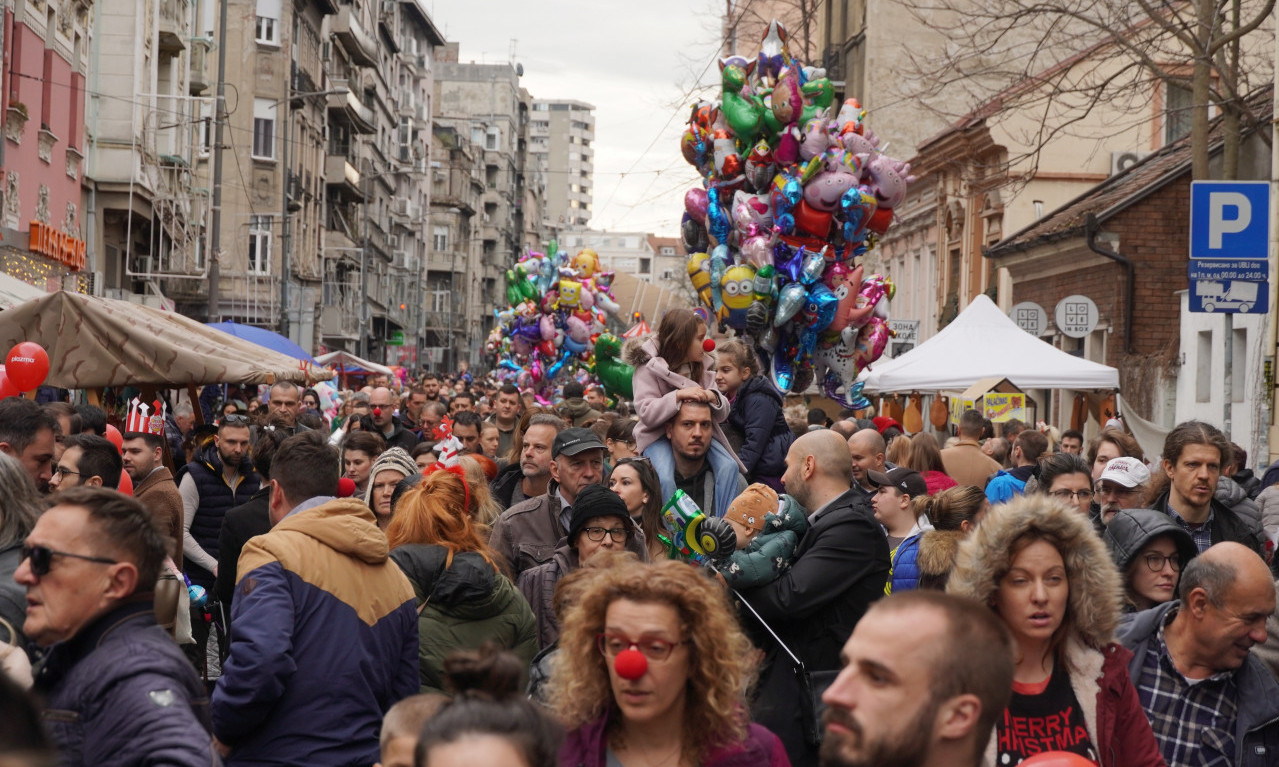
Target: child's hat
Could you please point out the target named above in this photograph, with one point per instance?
(750, 507)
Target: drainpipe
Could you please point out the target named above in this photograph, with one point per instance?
(1091, 227)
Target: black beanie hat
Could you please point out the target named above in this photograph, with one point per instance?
(592, 502)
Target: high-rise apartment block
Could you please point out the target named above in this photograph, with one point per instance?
(562, 147)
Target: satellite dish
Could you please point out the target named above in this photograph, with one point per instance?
(519, 70)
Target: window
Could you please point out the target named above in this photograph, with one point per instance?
(259, 244)
(1177, 110)
(493, 138)
(205, 128)
(267, 23)
(646, 265)
(264, 129)
(440, 239)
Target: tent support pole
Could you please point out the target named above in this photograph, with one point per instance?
(196, 410)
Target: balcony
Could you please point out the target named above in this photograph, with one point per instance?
(295, 191)
(201, 77)
(357, 43)
(173, 35)
(347, 108)
(340, 173)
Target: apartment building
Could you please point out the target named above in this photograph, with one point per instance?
(561, 147)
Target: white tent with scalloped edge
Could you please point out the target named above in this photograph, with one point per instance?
(983, 342)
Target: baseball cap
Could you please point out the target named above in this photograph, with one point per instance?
(575, 440)
(1129, 472)
(908, 481)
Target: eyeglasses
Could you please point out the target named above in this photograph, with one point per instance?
(1115, 489)
(618, 534)
(42, 558)
(64, 472)
(1066, 495)
(1155, 561)
(235, 418)
(653, 649)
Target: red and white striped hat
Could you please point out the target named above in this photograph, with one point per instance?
(144, 418)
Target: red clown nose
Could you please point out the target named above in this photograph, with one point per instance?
(630, 664)
(377, 412)
(708, 345)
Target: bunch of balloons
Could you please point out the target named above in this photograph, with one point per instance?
(557, 308)
(794, 190)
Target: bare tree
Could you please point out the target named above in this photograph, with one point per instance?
(1065, 58)
(746, 22)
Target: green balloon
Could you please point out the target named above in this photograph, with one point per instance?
(609, 368)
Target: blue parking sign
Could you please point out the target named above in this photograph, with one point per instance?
(1230, 219)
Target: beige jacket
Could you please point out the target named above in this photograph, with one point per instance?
(968, 465)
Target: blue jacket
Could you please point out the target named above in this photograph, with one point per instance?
(121, 693)
(905, 568)
(324, 640)
(1006, 484)
(756, 415)
(1257, 715)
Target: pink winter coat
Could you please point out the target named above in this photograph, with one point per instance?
(655, 385)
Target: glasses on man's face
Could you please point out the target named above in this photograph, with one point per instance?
(1155, 561)
(42, 558)
(1067, 495)
(618, 534)
(64, 471)
(1107, 488)
(653, 649)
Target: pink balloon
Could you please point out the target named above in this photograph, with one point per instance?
(695, 202)
(1058, 759)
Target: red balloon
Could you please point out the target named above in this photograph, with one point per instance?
(7, 387)
(630, 664)
(115, 437)
(1058, 759)
(126, 482)
(27, 365)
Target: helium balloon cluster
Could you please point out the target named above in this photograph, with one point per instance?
(557, 307)
(795, 188)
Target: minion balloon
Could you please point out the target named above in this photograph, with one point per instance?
(738, 290)
(700, 275)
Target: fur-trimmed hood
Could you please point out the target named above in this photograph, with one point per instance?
(937, 551)
(1096, 588)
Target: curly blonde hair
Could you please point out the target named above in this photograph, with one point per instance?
(720, 665)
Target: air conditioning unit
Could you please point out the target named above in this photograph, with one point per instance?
(401, 206)
(1122, 161)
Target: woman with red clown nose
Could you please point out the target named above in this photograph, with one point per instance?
(653, 669)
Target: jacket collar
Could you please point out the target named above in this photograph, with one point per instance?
(138, 609)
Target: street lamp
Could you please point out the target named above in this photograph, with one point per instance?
(285, 236)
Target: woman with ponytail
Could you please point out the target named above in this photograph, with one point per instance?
(464, 599)
(954, 513)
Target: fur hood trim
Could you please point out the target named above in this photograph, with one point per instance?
(937, 549)
(1095, 586)
(636, 352)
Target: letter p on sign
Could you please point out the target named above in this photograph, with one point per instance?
(1228, 213)
(1230, 220)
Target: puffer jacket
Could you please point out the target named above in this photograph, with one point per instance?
(1131, 529)
(655, 385)
(463, 604)
(1116, 722)
(1257, 715)
(936, 557)
(577, 411)
(1268, 507)
(120, 692)
(756, 414)
(1234, 497)
(904, 572)
(586, 746)
(537, 584)
(324, 642)
(772, 552)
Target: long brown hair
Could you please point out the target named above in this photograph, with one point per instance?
(675, 335)
(435, 513)
(925, 454)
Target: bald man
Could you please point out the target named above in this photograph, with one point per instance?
(867, 450)
(840, 567)
(1198, 650)
(382, 420)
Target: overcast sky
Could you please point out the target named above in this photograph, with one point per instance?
(635, 61)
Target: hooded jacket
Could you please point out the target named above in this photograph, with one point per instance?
(936, 557)
(655, 385)
(462, 605)
(1257, 715)
(1131, 529)
(1116, 722)
(577, 411)
(1006, 484)
(756, 414)
(325, 641)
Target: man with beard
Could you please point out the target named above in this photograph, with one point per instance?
(1121, 486)
(529, 477)
(29, 434)
(153, 486)
(690, 434)
(840, 568)
(907, 697)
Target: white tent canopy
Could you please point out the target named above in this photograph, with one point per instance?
(351, 363)
(983, 342)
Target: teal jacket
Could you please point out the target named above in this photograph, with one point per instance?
(770, 554)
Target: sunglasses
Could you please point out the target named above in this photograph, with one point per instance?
(235, 418)
(42, 558)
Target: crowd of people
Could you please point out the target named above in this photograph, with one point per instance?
(451, 571)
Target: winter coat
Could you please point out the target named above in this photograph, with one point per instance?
(772, 551)
(527, 534)
(159, 495)
(655, 386)
(756, 414)
(400, 436)
(1268, 652)
(936, 557)
(325, 641)
(1250, 482)
(503, 485)
(245, 521)
(1268, 508)
(903, 572)
(1234, 497)
(461, 606)
(1257, 712)
(968, 465)
(1131, 529)
(577, 412)
(1117, 725)
(537, 584)
(216, 499)
(13, 597)
(938, 481)
(1006, 484)
(587, 746)
(120, 692)
(1227, 525)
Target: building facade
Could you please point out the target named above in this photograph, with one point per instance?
(561, 148)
